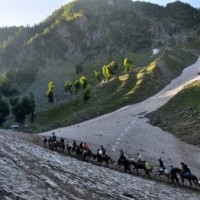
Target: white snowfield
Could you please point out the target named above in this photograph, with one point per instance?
(128, 129)
(155, 51)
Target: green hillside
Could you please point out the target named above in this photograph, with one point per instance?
(181, 114)
(123, 88)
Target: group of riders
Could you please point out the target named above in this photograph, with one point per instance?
(81, 149)
(174, 171)
(84, 150)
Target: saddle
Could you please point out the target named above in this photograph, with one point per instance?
(186, 174)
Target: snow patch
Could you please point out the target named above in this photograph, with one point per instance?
(155, 51)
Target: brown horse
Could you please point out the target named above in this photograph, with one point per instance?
(191, 178)
(126, 163)
(162, 172)
(55, 145)
(103, 158)
(141, 165)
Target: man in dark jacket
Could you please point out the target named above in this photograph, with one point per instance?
(53, 137)
(186, 170)
(162, 167)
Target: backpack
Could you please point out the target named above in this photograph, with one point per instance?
(147, 166)
(100, 152)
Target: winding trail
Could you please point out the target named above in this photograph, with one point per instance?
(128, 129)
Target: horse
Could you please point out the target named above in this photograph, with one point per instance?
(191, 178)
(126, 163)
(54, 145)
(141, 165)
(45, 141)
(162, 172)
(103, 158)
(87, 155)
(173, 175)
(61, 145)
(69, 148)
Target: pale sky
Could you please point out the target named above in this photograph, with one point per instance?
(30, 12)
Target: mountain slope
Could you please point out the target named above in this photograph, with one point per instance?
(89, 34)
(181, 115)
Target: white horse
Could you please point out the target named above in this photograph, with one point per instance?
(162, 172)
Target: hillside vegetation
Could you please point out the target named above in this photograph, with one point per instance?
(122, 89)
(181, 115)
(80, 38)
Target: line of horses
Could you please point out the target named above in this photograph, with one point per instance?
(78, 152)
(130, 166)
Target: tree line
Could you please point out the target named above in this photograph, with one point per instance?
(25, 107)
(21, 109)
(73, 87)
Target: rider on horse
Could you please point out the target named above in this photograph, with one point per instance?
(53, 137)
(62, 140)
(103, 150)
(186, 170)
(162, 167)
(74, 145)
(85, 148)
(140, 159)
(122, 155)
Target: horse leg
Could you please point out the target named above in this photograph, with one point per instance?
(189, 179)
(172, 178)
(111, 161)
(148, 173)
(176, 178)
(129, 169)
(197, 181)
(137, 171)
(167, 176)
(107, 161)
(183, 181)
(194, 181)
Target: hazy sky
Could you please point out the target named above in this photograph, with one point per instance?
(23, 12)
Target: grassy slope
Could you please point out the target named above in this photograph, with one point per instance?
(124, 88)
(181, 115)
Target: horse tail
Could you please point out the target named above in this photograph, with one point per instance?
(195, 180)
(198, 183)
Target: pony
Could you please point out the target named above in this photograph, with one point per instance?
(87, 155)
(173, 175)
(69, 148)
(54, 145)
(141, 165)
(162, 172)
(126, 163)
(61, 145)
(45, 141)
(103, 158)
(191, 178)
